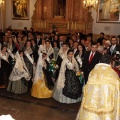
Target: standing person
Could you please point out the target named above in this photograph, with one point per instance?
(101, 98)
(5, 67)
(80, 56)
(38, 40)
(114, 47)
(101, 38)
(29, 60)
(68, 89)
(42, 46)
(56, 50)
(48, 50)
(41, 83)
(62, 53)
(75, 50)
(19, 77)
(91, 58)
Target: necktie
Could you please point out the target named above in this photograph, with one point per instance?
(91, 57)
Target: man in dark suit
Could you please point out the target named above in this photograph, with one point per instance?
(101, 38)
(38, 40)
(91, 58)
(114, 47)
(75, 50)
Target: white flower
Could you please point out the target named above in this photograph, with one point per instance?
(6, 117)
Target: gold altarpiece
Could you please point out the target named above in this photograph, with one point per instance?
(61, 15)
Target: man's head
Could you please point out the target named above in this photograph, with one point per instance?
(75, 44)
(114, 40)
(101, 34)
(106, 59)
(94, 47)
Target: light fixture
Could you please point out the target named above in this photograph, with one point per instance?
(90, 3)
(1, 2)
(1, 14)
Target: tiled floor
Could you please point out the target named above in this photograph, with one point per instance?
(25, 107)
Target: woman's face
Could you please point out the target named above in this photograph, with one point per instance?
(47, 44)
(10, 40)
(19, 39)
(56, 37)
(70, 55)
(4, 49)
(43, 41)
(80, 48)
(28, 44)
(64, 47)
(70, 41)
(55, 44)
(21, 54)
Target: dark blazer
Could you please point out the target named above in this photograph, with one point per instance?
(117, 48)
(86, 66)
(76, 53)
(39, 43)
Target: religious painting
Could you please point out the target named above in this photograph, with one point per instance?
(60, 8)
(20, 9)
(108, 11)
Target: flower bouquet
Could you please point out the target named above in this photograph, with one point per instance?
(79, 74)
(52, 68)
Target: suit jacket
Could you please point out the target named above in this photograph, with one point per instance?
(117, 48)
(76, 53)
(39, 43)
(87, 67)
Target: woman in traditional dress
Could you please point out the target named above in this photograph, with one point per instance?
(62, 53)
(68, 89)
(79, 57)
(41, 86)
(56, 50)
(41, 47)
(29, 60)
(5, 67)
(48, 50)
(19, 77)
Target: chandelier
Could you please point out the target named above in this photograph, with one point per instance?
(90, 3)
(1, 2)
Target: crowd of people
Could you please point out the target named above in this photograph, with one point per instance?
(25, 60)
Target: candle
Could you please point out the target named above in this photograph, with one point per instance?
(45, 25)
(75, 25)
(68, 26)
(38, 24)
(41, 24)
(72, 26)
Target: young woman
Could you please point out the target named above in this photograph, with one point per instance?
(42, 82)
(48, 50)
(29, 60)
(5, 67)
(56, 50)
(68, 89)
(62, 53)
(19, 77)
(80, 55)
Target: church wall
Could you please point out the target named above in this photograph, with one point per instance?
(18, 24)
(107, 28)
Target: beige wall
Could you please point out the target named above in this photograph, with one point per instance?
(18, 24)
(107, 28)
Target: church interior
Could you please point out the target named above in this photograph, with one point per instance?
(38, 76)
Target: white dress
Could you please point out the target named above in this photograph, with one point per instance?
(62, 91)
